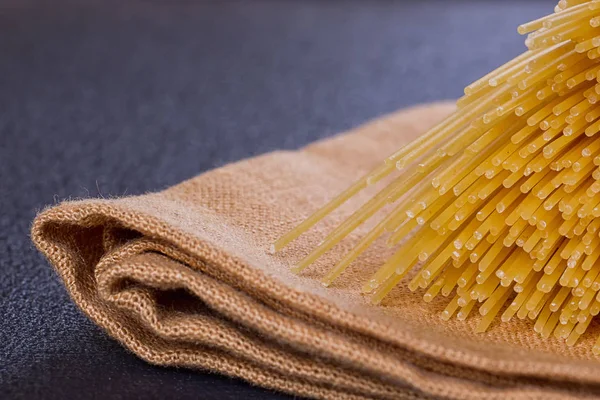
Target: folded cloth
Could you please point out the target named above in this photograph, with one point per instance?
(185, 277)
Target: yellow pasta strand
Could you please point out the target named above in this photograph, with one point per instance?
(497, 208)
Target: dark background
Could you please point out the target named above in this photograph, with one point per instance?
(124, 97)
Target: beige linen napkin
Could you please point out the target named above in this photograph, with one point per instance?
(184, 277)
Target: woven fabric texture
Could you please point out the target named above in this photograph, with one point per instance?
(184, 277)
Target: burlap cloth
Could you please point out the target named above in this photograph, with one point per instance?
(185, 278)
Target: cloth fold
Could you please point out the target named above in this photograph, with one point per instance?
(184, 277)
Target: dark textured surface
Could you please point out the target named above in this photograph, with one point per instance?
(129, 97)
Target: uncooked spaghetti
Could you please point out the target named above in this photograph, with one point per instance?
(498, 206)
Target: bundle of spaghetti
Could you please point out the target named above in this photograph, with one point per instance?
(498, 206)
